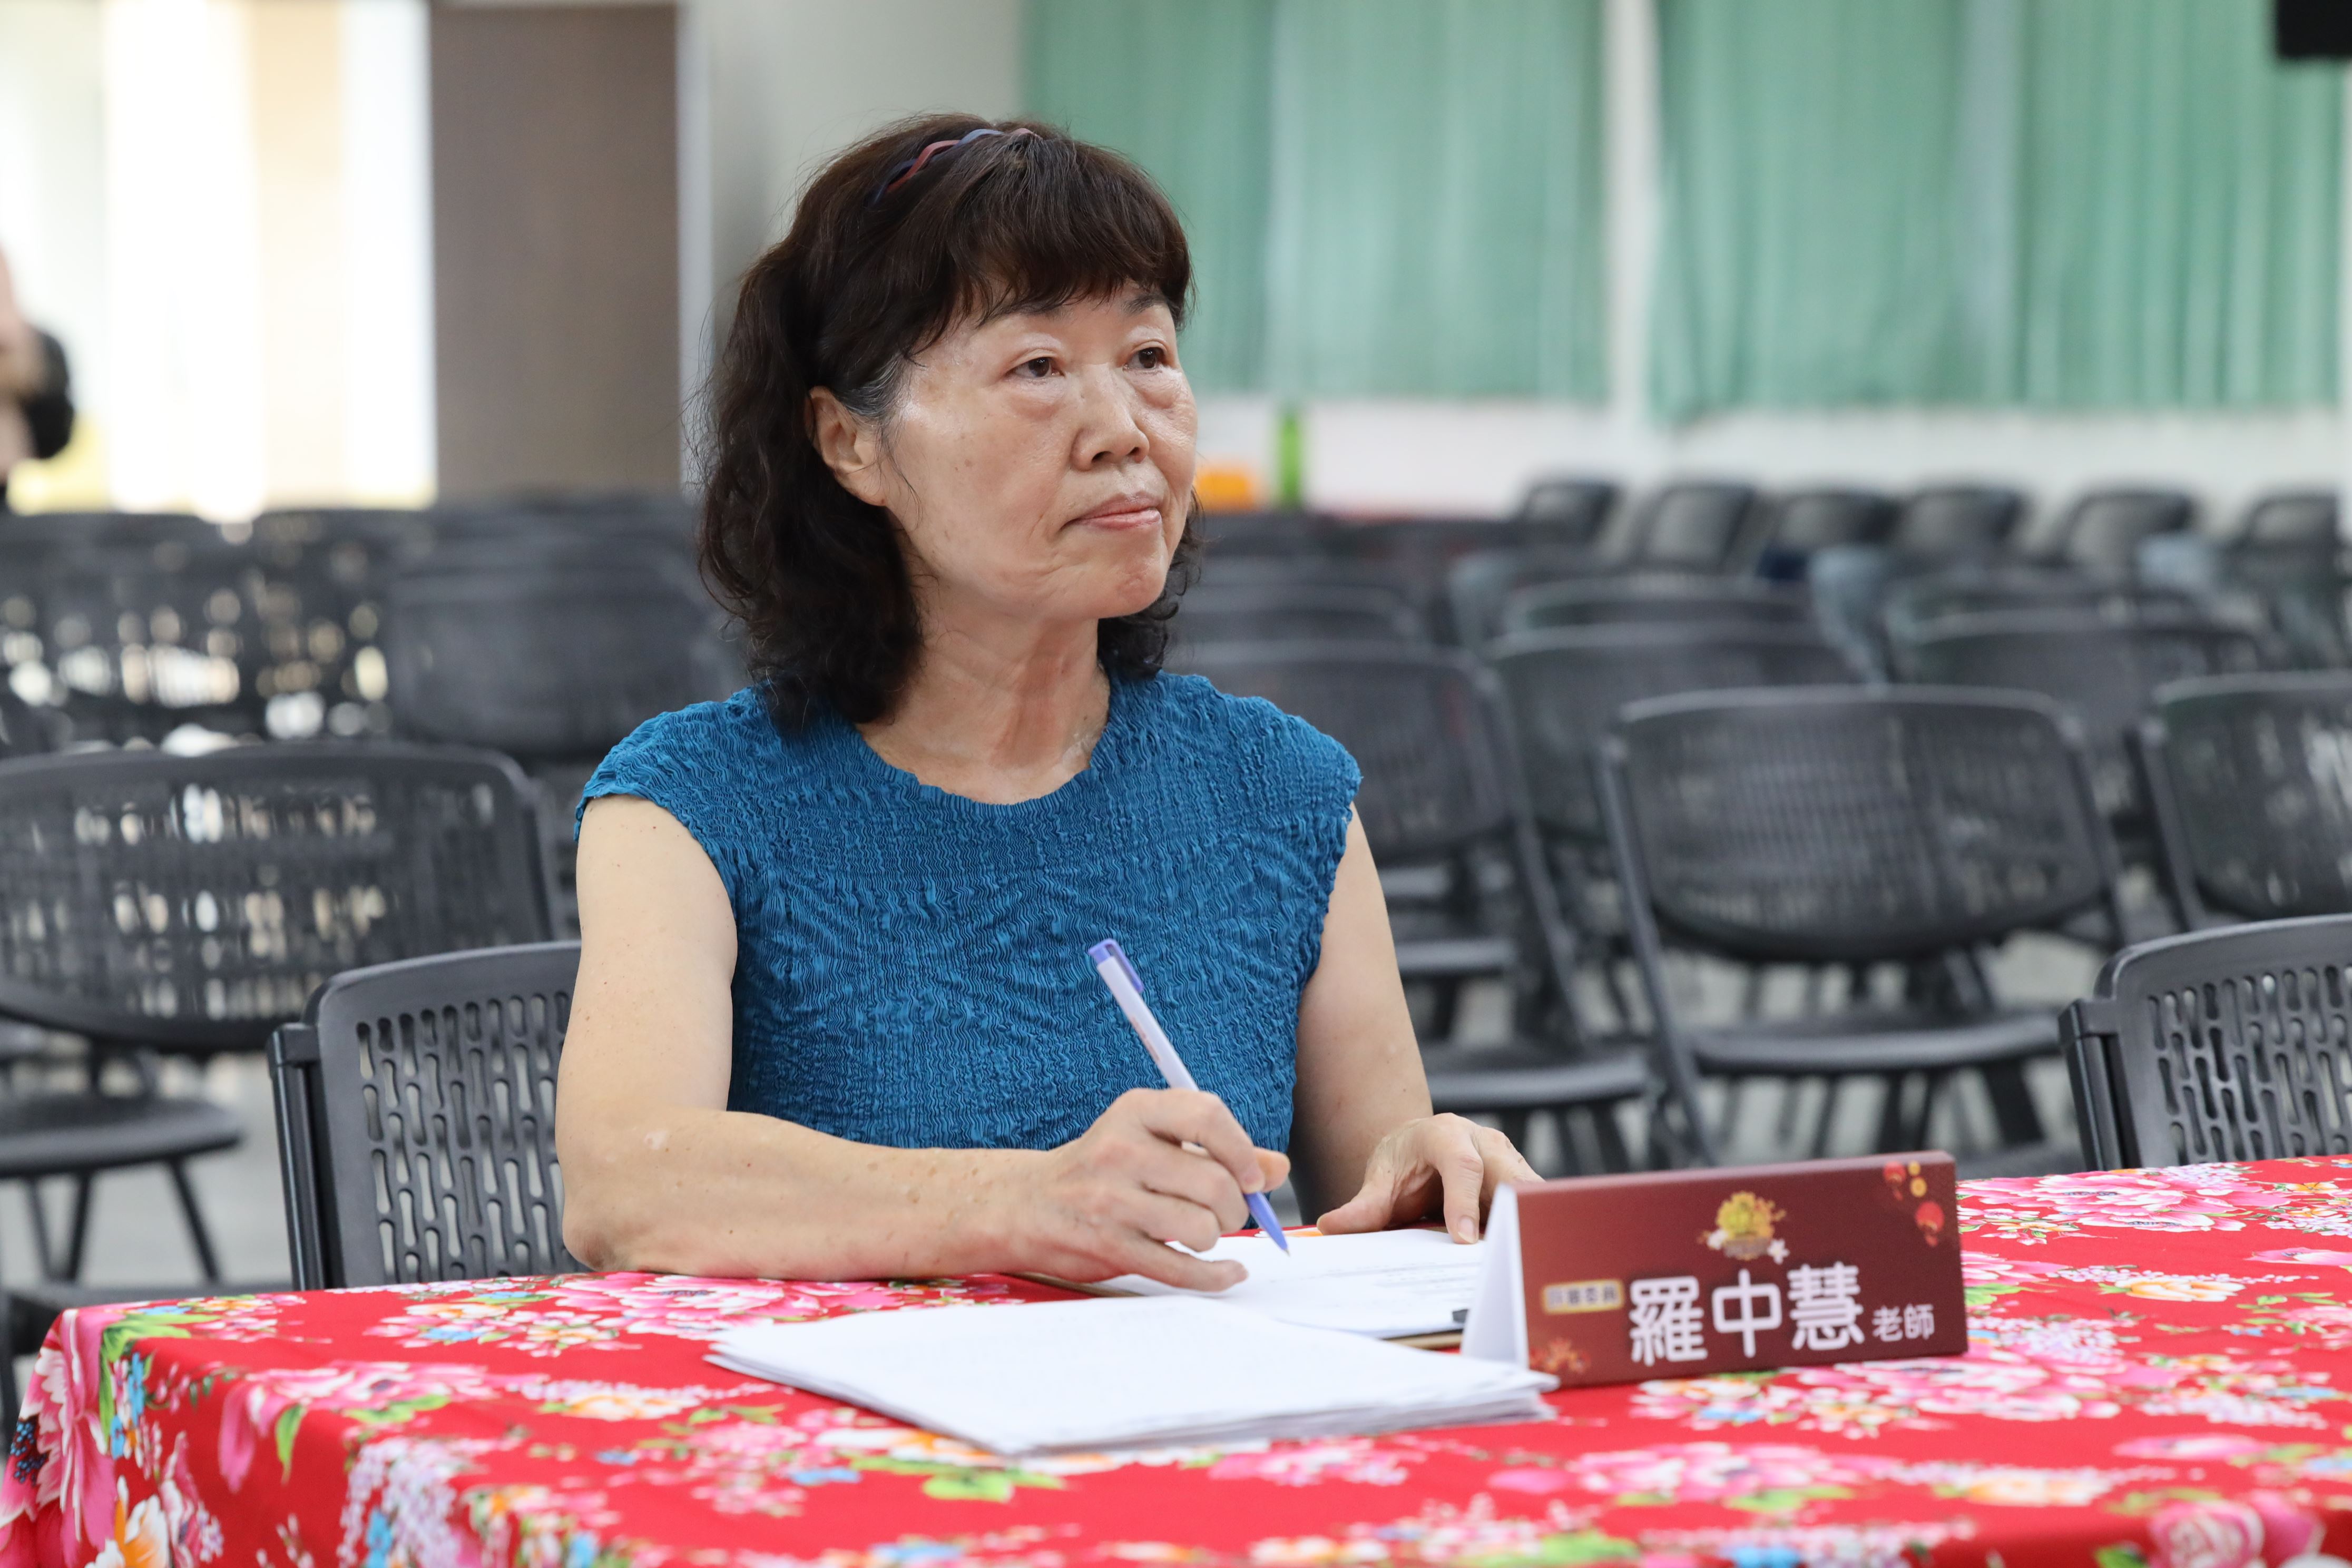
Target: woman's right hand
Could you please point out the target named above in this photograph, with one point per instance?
(1105, 1202)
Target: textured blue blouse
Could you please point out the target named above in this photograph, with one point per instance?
(912, 964)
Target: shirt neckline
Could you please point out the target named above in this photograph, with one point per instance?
(1102, 764)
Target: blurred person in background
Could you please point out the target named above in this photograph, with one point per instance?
(37, 413)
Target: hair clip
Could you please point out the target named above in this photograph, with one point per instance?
(916, 164)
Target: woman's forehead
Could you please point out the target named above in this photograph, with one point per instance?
(1125, 304)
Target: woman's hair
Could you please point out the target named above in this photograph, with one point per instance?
(895, 242)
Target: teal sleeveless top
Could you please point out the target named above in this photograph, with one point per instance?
(911, 965)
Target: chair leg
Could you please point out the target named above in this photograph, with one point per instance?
(1784, 1123)
(1607, 1136)
(1828, 1117)
(2013, 1111)
(78, 1239)
(198, 1237)
(39, 1218)
(1894, 1126)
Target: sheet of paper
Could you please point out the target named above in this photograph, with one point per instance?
(1386, 1283)
(1094, 1374)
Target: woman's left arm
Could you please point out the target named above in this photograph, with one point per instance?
(1361, 1120)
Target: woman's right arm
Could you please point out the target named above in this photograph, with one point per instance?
(659, 1174)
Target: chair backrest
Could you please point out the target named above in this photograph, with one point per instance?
(1421, 723)
(1699, 524)
(552, 658)
(2105, 528)
(1563, 690)
(2102, 671)
(192, 902)
(1821, 825)
(144, 638)
(1276, 611)
(2291, 518)
(1477, 585)
(2219, 1045)
(1572, 512)
(416, 1120)
(2250, 777)
(76, 529)
(1604, 601)
(1267, 532)
(1916, 601)
(1957, 522)
(1801, 521)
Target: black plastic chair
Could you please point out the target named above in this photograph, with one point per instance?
(1915, 602)
(1274, 612)
(2104, 671)
(1705, 525)
(1651, 597)
(1477, 585)
(2103, 530)
(1563, 691)
(2219, 1045)
(1440, 794)
(1799, 522)
(2291, 518)
(416, 1120)
(2250, 778)
(1294, 534)
(187, 905)
(1824, 825)
(1956, 522)
(555, 657)
(1572, 512)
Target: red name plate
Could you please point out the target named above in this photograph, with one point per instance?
(1684, 1273)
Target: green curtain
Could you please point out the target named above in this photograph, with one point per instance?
(1808, 251)
(1437, 199)
(1182, 87)
(2178, 212)
(1398, 198)
(2051, 202)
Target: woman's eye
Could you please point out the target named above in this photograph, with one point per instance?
(1036, 369)
(1152, 358)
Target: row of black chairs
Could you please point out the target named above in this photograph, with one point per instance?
(1729, 526)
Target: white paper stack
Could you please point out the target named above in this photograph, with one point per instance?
(1126, 1374)
(1386, 1283)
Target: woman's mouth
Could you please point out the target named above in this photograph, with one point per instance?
(1121, 513)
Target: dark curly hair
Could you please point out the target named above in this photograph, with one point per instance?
(867, 278)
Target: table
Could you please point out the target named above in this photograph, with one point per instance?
(2159, 1376)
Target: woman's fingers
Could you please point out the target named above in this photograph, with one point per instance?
(1190, 1116)
(1169, 1267)
(1194, 1179)
(1461, 1172)
(1374, 1205)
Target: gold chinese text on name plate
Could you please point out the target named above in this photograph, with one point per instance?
(1683, 1273)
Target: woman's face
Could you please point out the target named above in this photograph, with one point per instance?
(1039, 465)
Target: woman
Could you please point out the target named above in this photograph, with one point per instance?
(834, 1016)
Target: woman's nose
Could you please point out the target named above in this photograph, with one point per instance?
(1109, 430)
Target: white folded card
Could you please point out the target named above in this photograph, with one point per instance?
(1126, 1374)
(1385, 1283)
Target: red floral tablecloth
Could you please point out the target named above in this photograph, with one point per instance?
(2159, 1377)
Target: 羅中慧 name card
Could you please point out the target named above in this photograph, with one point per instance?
(1683, 1273)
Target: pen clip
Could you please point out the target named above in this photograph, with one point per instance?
(1109, 948)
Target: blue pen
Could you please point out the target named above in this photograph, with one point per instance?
(1126, 987)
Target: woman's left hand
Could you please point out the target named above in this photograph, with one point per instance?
(1432, 1164)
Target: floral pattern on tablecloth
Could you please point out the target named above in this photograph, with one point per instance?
(2160, 1376)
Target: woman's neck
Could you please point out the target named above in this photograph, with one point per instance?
(1000, 713)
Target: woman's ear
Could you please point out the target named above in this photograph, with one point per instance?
(848, 446)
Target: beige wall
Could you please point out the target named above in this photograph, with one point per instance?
(788, 81)
(555, 244)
